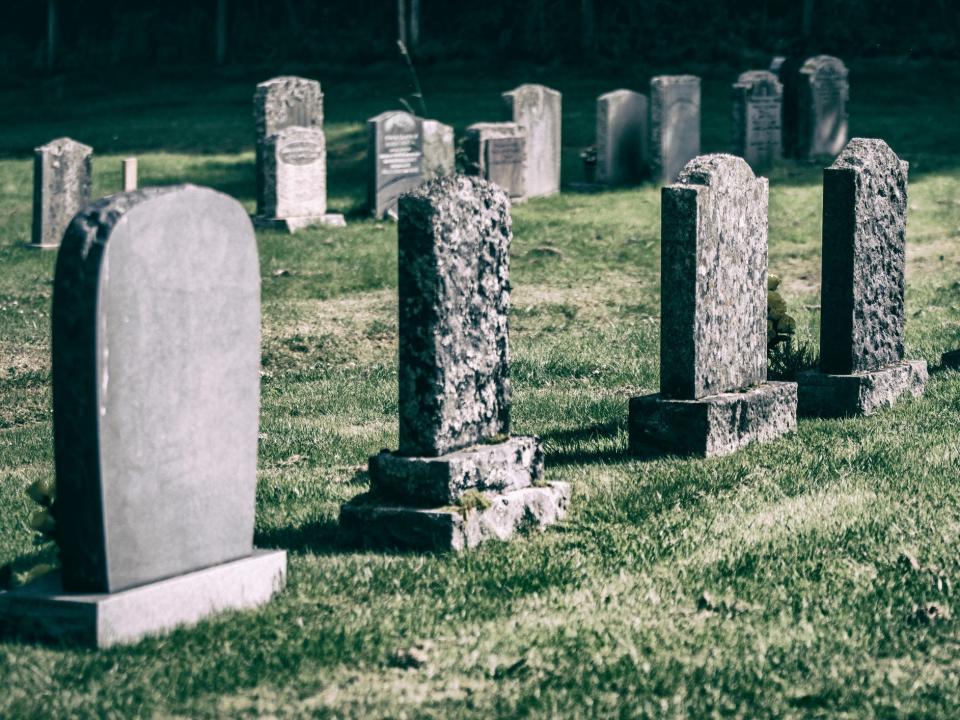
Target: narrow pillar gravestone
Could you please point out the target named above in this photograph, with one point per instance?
(787, 70)
(536, 109)
(498, 152)
(622, 136)
(822, 95)
(757, 117)
(459, 478)
(862, 292)
(714, 395)
(439, 151)
(674, 124)
(62, 177)
(156, 388)
(129, 174)
(395, 157)
(291, 166)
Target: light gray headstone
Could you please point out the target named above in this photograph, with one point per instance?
(395, 152)
(713, 335)
(674, 124)
(497, 152)
(757, 118)
(62, 176)
(822, 124)
(278, 104)
(536, 109)
(295, 173)
(622, 136)
(454, 296)
(156, 386)
(439, 153)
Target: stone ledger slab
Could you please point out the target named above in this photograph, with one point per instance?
(500, 467)
(452, 528)
(715, 425)
(42, 609)
(862, 393)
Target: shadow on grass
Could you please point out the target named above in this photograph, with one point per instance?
(321, 537)
(597, 445)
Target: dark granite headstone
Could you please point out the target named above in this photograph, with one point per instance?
(674, 124)
(787, 70)
(622, 136)
(62, 172)
(756, 118)
(395, 152)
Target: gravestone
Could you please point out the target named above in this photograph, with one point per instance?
(536, 109)
(787, 70)
(156, 361)
(714, 395)
(291, 155)
(497, 152)
(756, 118)
(395, 156)
(459, 478)
(62, 172)
(822, 97)
(129, 174)
(439, 153)
(674, 124)
(862, 293)
(622, 136)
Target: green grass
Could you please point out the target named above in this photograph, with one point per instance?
(808, 611)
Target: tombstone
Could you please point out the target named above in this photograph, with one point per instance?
(291, 156)
(536, 109)
(756, 118)
(714, 395)
(622, 117)
(459, 478)
(62, 172)
(862, 292)
(497, 152)
(822, 107)
(439, 154)
(787, 70)
(156, 361)
(129, 174)
(674, 124)
(395, 152)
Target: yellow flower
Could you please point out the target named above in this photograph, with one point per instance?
(42, 491)
(773, 282)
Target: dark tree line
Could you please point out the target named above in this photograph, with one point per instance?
(42, 34)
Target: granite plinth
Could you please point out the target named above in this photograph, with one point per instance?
(714, 425)
(291, 225)
(42, 610)
(825, 395)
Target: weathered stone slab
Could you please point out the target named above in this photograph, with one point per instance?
(62, 176)
(156, 387)
(42, 609)
(713, 426)
(622, 137)
(863, 393)
(864, 255)
(822, 107)
(756, 118)
(674, 124)
(713, 335)
(453, 528)
(536, 109)
(439, 152)
(278, 104)
(395, 152)
(454, 243)
(499, 467)
(503, 164)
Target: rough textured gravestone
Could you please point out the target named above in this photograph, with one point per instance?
(822, 107)
(674, 124)
(862, 293)
(714, 395)
(536, 109)
(395, 152)
(156, 361)
(757, 113)
(439, 153)
(622, 136)
(454, 388)
(62, 171)
(497, 152)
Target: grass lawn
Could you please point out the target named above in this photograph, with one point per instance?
(796, 542)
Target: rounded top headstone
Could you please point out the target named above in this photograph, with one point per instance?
(824, 64)
(867, 153)
(63, 145)
(760, 79)
(716, 169)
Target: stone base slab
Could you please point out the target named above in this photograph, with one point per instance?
(41, 609)
(499, 467)
(366, 523)
(715, 425)
(291, 225)
(823, 395)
